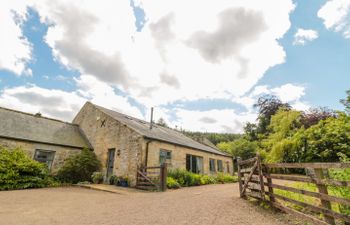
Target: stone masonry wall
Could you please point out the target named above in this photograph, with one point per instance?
(111, 134)
(179, 156)
(61, 153)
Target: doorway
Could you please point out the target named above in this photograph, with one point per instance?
(110, 162)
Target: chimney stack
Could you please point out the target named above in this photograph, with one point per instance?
(151, 123)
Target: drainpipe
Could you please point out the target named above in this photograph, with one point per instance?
(146, 156)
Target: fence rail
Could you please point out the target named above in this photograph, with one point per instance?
(152, 178)
(260, 181)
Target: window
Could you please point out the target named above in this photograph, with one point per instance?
(164, 156)
(220, 169)
(212, 165)
(194, 164)
(44, 156)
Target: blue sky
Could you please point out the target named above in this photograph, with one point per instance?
(312, 73)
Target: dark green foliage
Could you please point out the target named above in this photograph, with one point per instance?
(268, 106)
(214, 138)
(328, 138)
(161, 122)
(18, 171)
(79, 167)
(113, 180)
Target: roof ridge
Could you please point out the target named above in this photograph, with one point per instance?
(33, 115)
(165, 129)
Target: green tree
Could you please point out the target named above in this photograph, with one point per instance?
(346, 101)
(239, 148)
(161, 122)
(268, 106)
(328, 138)
(281, 144)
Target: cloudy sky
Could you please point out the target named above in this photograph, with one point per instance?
(201, 64)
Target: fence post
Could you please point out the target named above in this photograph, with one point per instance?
(239, 176)
(261, 177)
(269, 183)
(163, 177)
(323, 190)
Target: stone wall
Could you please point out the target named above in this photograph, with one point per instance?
(61, 153)
(179, 156)
(111, 134)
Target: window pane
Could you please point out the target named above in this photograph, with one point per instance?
(199, 168)
(220, 169)
(188, 162)
(44, 156)
(212, 165)
(164, 156)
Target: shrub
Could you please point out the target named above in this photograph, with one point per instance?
(186, 178)
(79, 167)
(113, 180)
(97, 177)
(205, 179)
(18, 171)
(225, 178)
(172, 183)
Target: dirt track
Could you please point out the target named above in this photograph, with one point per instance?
(212, 204)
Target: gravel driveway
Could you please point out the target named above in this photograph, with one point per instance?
(211, 204)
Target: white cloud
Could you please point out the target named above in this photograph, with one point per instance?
(224, 120)
(336, 16)
(15, 50)
(65, 105)
(289, 93)
(302, 36)
(52, 103)
(218, 51)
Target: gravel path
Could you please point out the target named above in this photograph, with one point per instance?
(212, 204)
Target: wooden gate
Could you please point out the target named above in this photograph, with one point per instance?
(152, 178)
(250, 178)
(267, 182)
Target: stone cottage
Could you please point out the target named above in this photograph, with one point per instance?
(124, 143)
(121, 142)
(46, 140)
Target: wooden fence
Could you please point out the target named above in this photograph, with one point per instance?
(260, 181)
(152, 178)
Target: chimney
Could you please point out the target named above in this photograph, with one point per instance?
(151, 123)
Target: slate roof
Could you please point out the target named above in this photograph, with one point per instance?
(158, 132)
(24, 126)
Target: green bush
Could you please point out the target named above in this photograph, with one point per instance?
(79, 167)
(185, 178)
(97, 177)
(18, 171)
(225, 178)
(172, 183)
(113, 180)
(205, 179)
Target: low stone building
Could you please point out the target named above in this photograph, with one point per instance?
(124, 143)
(46, 140)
